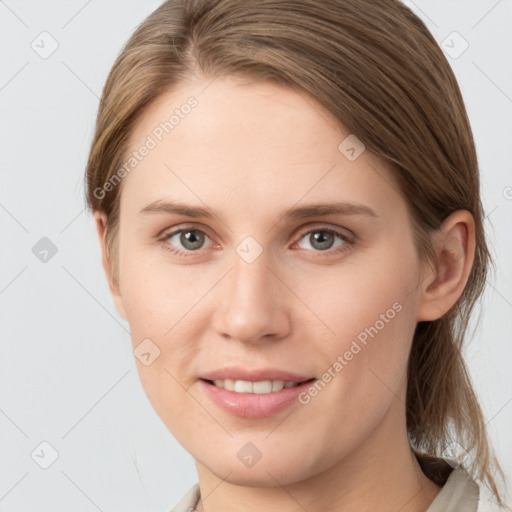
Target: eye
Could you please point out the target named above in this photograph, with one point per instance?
(188, 238)
(186, 241)
(323, 239)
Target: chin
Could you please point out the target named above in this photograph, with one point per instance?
(273, 469)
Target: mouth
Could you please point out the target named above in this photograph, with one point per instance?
(262, 387)
(253, 399)
(254, 392)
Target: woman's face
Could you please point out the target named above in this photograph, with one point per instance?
(256, 285)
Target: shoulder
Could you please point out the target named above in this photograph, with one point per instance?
(459, 492)
(189, 502)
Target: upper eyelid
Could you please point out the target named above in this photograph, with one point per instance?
(338, 230)
(166, 233)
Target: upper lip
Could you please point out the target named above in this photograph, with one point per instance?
(254, 375)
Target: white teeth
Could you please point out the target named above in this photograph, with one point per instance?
(277, 385)
(264, 386)
(260, 387)
(243, 386)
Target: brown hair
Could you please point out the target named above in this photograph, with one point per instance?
(377, 69)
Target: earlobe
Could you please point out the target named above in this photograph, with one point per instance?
(100, 219)
(443, 285)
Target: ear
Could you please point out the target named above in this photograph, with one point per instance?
(100, 219)
(442, 285)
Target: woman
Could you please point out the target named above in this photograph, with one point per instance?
(287, 198)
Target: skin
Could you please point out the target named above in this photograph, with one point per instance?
(250, 152)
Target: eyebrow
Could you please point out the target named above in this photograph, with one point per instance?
(297, 213)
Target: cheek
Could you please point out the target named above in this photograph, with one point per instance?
(158, 295)
(364, 362)
(365, 298)
(159, 303)
(369, 309)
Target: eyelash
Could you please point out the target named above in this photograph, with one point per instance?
(348, 243)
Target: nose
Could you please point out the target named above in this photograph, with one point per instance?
(253, 302)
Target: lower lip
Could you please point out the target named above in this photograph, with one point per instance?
(253, 405)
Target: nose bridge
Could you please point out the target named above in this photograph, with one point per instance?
(251, 287)
(250, 307)
(251, 274)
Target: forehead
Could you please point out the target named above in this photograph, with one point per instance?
(250, 145)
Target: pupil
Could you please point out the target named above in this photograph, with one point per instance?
(324, 238)
(191, 240)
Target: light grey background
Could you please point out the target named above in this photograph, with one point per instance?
(67, 373)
